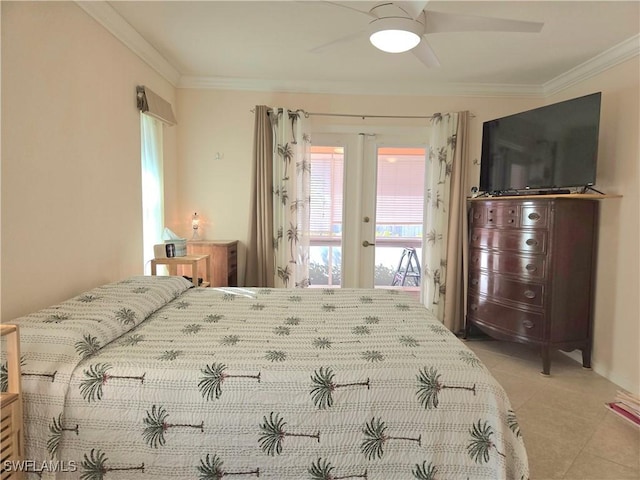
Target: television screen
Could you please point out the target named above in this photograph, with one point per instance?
(550, 147)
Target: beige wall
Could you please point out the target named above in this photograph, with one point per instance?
(617, 321)
(71, 202)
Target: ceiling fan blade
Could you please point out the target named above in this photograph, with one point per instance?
(425, 54)
(438, 22)
(345, 39)
(413, 8)
(353, 9)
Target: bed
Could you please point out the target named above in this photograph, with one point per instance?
(152, 378)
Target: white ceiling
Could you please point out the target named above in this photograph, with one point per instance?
(268, 45)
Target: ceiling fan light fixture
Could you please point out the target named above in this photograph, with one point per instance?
(395, 34)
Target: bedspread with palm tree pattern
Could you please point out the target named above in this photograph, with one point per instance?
(149, 378)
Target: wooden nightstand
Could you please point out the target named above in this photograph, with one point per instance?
(192, 260)
(11, 426)
(223, 259)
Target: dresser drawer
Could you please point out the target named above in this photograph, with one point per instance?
(503, 215)
(477, 215)
(509, 320)
(524, 266)
(499, 215)
(497, 286)
(525, 241)
(535, 216)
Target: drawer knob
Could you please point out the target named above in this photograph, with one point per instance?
(527, 324)
(474, 281)
(476, 215)
(476, 259)
(473, 307)
(531, 267)
(534, 216)
(490, 211)
(491, 219)
(511, 220)
(512, 211)
(531, 242)
(530, 294)
(474, 237)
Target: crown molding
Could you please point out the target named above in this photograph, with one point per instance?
(110, 19)
(350, 88)
(598, 64)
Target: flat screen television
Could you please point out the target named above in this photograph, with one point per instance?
(548, 148)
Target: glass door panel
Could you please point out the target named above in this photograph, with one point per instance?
(399, 217)
(327, 174)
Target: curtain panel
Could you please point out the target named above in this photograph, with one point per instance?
(259, 269)
(444, 284)
(291, 198)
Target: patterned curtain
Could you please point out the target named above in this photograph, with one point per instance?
(291, 198)
(444, 214)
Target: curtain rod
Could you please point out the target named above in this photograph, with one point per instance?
(363, 116)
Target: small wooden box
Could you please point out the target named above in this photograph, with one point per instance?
(11, 427)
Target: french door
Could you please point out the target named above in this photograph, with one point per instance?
(367, 196)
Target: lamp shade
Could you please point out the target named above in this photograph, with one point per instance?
(395, 34)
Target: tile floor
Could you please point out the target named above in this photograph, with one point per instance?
(566, 429)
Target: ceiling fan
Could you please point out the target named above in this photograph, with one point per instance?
(401, 26)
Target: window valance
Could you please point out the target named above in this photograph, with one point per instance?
(153, 104)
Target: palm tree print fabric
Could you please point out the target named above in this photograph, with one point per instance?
(442, 145)
(291, 191)
(316, 385)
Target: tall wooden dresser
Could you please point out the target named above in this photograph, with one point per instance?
(532, 268)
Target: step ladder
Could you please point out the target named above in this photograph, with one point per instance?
(408, 269)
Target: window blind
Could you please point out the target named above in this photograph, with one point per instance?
(326, 192)
(400, 186)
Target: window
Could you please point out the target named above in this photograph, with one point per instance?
(152, 186)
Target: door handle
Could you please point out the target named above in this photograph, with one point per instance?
(366, 243)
